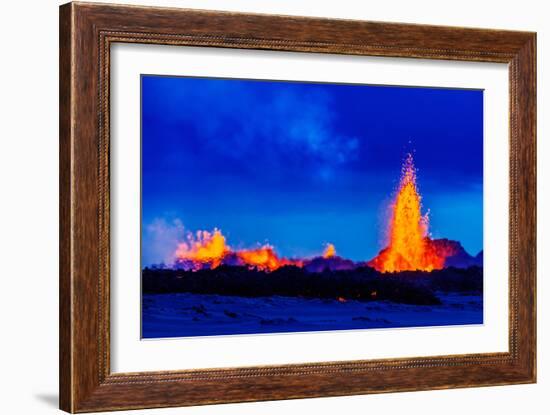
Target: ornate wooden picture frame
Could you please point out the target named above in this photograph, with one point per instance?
(87, 32)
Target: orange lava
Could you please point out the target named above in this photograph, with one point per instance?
(209, 249)
(263, 258)
(330, 251)
(409, 246)
(203, 248)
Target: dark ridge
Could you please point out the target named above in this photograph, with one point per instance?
(362, 284)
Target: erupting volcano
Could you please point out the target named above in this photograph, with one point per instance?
(410, 248)
(261, 201)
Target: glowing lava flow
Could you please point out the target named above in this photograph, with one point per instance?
(209, 250)
(203, 248)
(409, 247)
(265, 258)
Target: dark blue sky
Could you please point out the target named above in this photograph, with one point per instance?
(301, 164)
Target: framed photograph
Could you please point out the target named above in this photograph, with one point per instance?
(258, 207)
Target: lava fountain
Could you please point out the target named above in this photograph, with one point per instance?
(410, 247)
(205, 249)
(330, 251)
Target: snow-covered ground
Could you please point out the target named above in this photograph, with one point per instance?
(183, 315)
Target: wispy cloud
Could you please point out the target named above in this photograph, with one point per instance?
(160, 240)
